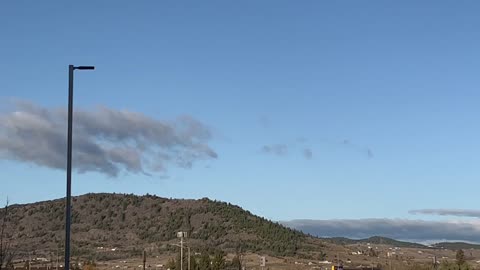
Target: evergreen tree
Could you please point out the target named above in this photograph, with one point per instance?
(218, 262)
(460, 257)
(193, 262)
(204, 263)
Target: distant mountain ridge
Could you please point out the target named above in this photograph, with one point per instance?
(455, 245)
(379, 240)
(374, 240)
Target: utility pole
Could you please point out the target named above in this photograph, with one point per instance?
(144, 258)
(181, 253)
(188, 258)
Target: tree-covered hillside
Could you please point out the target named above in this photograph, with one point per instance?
(129, 223)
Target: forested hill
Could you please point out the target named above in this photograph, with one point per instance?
(130, 223)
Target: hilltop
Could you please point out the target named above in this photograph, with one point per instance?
(130, 223)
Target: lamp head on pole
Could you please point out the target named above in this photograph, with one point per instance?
(181, 234)
(84, 67)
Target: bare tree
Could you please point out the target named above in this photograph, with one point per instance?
(7, 251)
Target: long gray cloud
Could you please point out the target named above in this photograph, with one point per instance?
(403, 229)
(448, 212)
(105, 140)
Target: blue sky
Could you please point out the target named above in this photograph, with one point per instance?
(340, 78)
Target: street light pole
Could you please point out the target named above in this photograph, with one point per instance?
(68, 202)
(181, 235)
(69, 168)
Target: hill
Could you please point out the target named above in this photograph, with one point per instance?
(124, 225)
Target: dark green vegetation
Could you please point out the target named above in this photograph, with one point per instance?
(375, 240)
(129, 223)
(215, 261)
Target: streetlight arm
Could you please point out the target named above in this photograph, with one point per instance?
(85, 67)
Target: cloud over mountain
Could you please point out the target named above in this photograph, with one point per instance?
(403, 229)
(448, 212)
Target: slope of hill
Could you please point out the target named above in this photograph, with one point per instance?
(129, 223)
